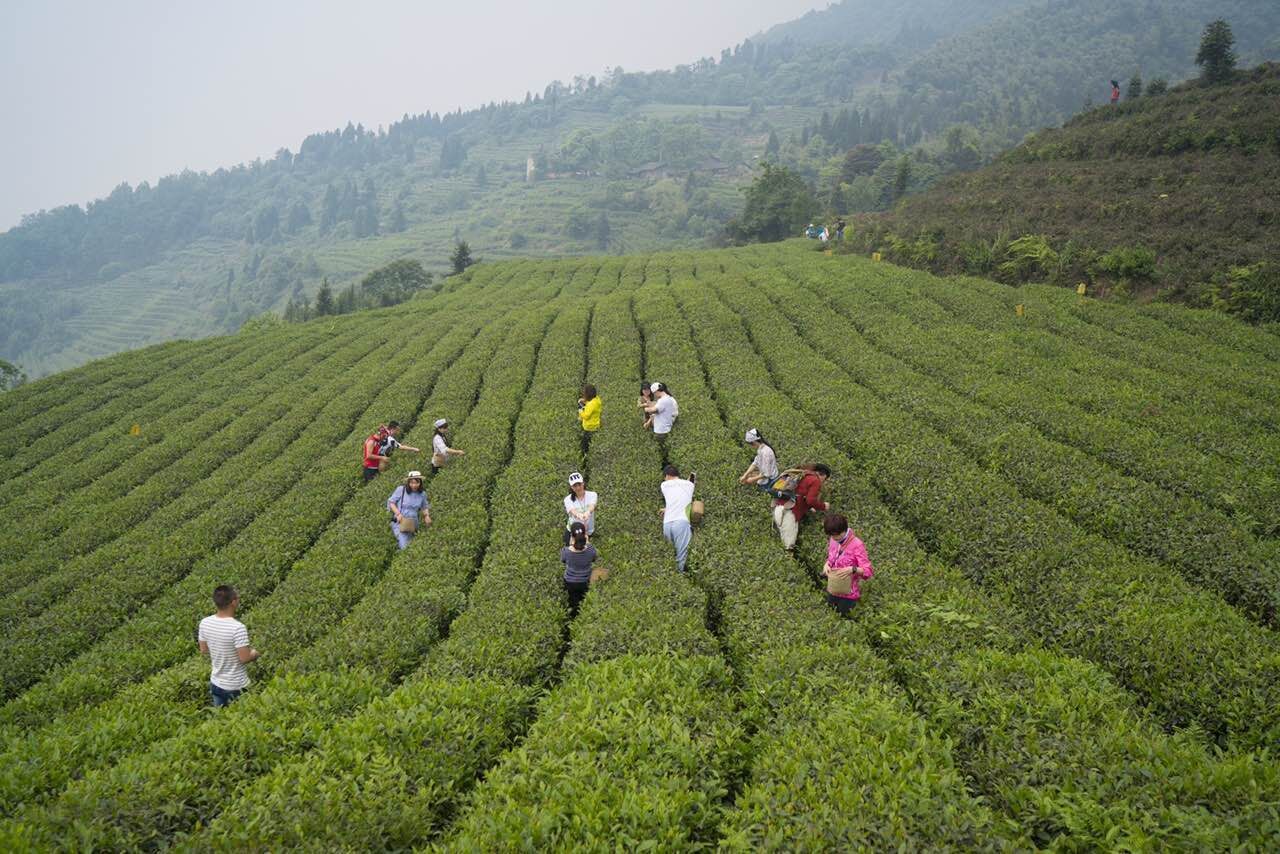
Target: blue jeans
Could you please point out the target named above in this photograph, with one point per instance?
(679, 533)
(223, 697)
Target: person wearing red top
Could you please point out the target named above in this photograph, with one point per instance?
(373, 452)
(787, 513)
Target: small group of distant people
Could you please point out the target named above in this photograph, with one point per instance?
(825, 233)
(408, 505)
(797, 495)
(385, 440)
(659, 407)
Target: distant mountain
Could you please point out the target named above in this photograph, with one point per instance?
(866, 22)
(627, 162)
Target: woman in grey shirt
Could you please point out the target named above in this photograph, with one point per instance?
(577, 558)
(764, 468)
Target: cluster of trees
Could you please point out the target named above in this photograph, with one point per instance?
(389, 285)
(11, 376)
(778, 205)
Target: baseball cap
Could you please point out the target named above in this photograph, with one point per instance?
(575, 479)
(440, 422)
(753, 435)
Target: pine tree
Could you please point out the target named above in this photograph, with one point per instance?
(1134, 92)
(11, 376)
(772, 148)
(461, 257)
(398, 221)
(324, 300)
(1217, 56)
(902, 177)
(603, 231)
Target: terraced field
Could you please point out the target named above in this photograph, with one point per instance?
(1069, 640)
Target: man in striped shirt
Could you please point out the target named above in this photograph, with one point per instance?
(226, 641)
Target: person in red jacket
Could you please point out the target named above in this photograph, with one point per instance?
(788, 513)
(1115, 91)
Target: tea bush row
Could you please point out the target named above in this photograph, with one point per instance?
(388, 730)
(104, 587)
(1209, 667)
(78, 522)
(932, 625)
(803, 671)
(257, 562)
(201, 768)
(1145, 401)
(1206, 547)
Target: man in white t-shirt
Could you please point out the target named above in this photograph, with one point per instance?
(226, 641)
(664, 409)
(676, 529)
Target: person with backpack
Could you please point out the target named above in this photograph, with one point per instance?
(371, 451)
(226, 641)
(788, 512)
(440, 450)
(677, 527)
(577, 555)
(664, 409)
(764, 468)
(392, 442)
(589, 406)
(410, 509)
(846, 566)
(580, 506)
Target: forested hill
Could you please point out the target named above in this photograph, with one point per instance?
(624, 162)
(866, 22)
(1171, 192)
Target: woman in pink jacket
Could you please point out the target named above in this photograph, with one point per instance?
(847, 564)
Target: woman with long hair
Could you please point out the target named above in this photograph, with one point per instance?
(764, 467)
(577, 557)
(589, 406)
(440, 450)
(580, 506)
(410, 509)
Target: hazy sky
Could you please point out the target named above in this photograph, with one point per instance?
(96, 92)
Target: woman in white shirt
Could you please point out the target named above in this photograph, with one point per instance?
(440, 450)
(580, 505)
(764, 468)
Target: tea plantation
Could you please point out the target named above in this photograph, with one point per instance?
(1070, 640)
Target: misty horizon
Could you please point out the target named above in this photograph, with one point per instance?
(154, 114)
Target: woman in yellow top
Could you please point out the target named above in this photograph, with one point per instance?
(589, 408)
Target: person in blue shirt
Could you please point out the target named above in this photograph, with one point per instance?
(409, 502)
